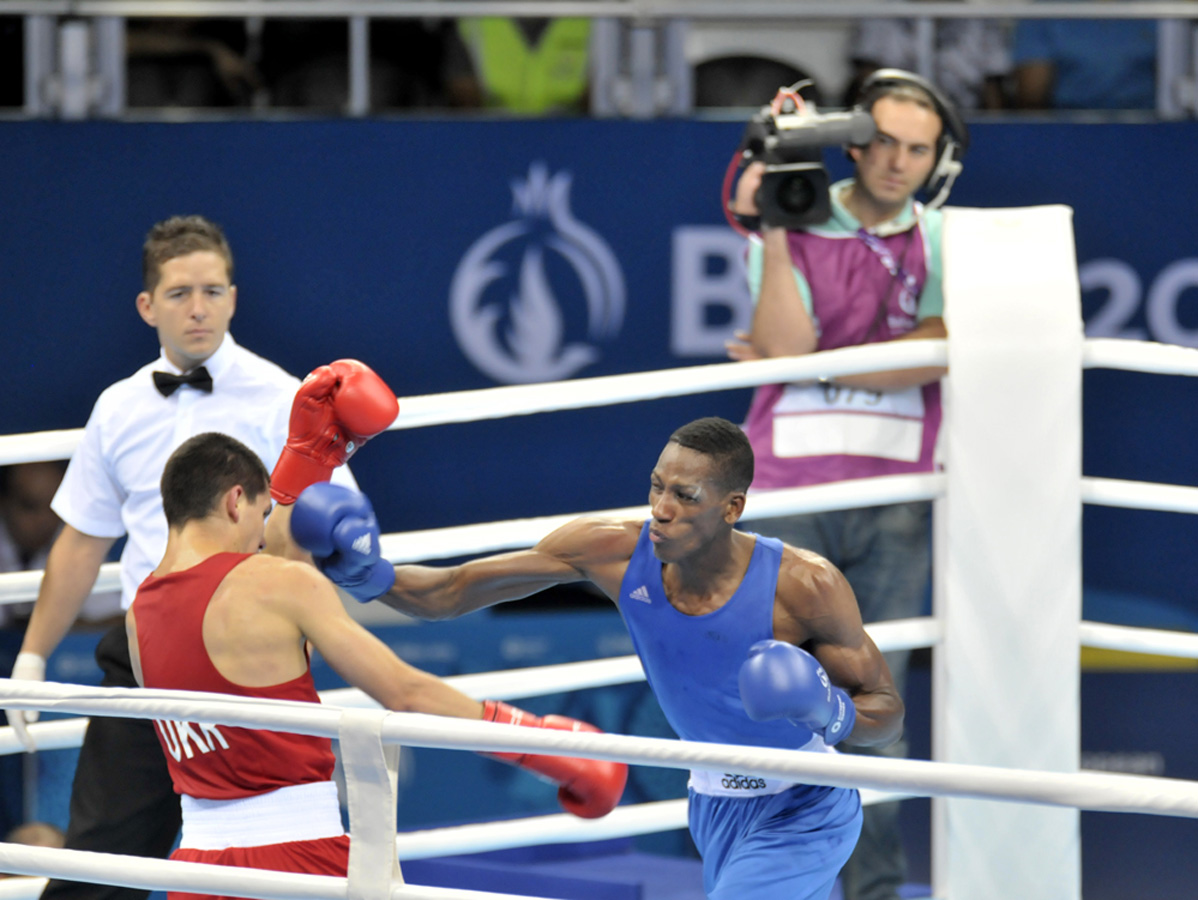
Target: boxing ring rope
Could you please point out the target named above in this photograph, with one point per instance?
(486, 537)
(1092, 791)
(501, 402)
(511, 684)
(467, 406)
(155, 874)
(625, 821)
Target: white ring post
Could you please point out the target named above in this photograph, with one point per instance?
(1008, 543)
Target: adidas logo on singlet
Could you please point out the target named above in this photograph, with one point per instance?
(642, 594)
(361, 544)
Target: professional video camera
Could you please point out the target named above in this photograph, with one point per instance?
(788, 136)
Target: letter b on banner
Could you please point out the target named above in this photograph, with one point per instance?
(710, 295)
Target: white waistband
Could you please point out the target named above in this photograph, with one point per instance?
(299, 812)
(725, 784)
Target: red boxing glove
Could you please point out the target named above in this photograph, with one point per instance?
(337, 409)
(589, 788)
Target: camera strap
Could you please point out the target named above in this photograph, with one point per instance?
(909, 285)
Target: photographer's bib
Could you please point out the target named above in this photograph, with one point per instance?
(859, 287)
(833, 420)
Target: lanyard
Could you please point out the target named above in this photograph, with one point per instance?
(909, 284)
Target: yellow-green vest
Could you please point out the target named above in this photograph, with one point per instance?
(514, 76)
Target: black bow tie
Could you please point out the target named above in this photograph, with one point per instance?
(167, 383)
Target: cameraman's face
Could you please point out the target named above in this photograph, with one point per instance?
(901, 156)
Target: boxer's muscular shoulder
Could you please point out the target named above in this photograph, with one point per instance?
(274, 584)
(592, 540)
(258, 605)
(810, 591)
(807, 579)
(597, 547)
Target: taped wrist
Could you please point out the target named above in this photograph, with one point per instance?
(844, 717)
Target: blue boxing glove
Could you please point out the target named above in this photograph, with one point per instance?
(337, 526)
(780, 680)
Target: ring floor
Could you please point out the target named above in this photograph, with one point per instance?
(605, 870)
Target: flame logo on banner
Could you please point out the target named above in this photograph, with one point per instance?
(515, 311)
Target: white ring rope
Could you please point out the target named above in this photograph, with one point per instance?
(1091, 791)
(22, 887)
(1083, 790)
(501, 402)
(624, 821)
(150, 874)
(512, 684)
(1154, 641)
(516, 684)
(164, 874)
(561, 828)
(465, 406)
(487, 537)
(1139, 356)
(489, 403)
(1139, 495)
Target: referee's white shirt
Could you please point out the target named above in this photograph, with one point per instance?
(111, 486)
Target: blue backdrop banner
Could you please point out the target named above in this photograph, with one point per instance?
(453, 255)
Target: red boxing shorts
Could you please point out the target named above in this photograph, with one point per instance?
(322, 856)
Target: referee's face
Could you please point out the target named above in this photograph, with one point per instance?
(190, 307)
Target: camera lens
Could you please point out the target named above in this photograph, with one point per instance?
(795, 194)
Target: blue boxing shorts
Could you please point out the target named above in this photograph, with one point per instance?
(789, 845)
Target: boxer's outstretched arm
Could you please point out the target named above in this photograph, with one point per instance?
(433, 592)
(586, 549)
(306, 600)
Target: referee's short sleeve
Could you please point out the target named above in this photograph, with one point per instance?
(89, 498)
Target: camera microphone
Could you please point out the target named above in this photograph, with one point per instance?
(855, 127)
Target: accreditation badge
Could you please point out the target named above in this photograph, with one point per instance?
(828, 419)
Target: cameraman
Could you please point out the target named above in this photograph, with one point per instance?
(870, 272)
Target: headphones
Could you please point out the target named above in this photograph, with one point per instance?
(954, 136)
